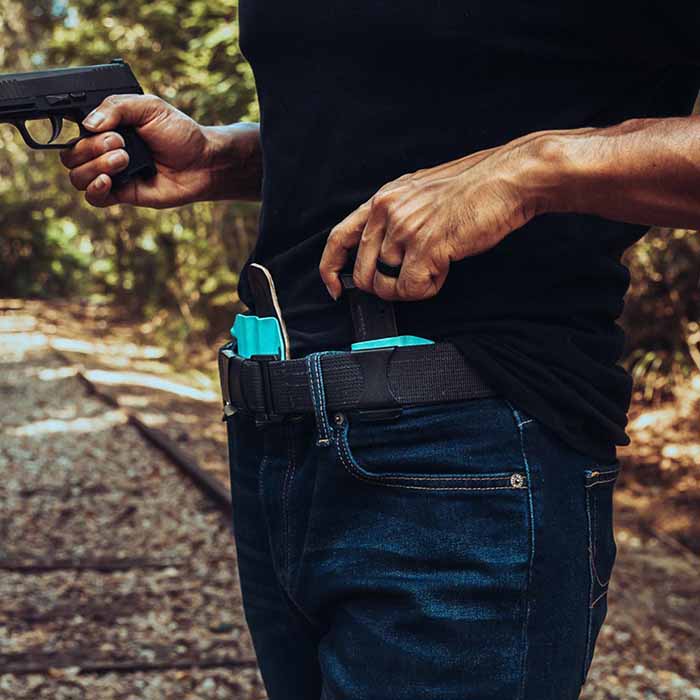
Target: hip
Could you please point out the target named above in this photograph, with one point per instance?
(463, 538)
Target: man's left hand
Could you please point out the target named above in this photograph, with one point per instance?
(425, 220)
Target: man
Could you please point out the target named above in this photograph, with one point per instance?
(488, 164)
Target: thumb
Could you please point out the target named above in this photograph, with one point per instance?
(132, 110)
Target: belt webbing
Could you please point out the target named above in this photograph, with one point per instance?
(409, 375)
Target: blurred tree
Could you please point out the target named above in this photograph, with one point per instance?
(166, 265)
(662, 310)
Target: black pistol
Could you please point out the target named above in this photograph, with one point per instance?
(71, 94)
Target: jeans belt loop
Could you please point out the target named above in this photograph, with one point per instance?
(318, 397)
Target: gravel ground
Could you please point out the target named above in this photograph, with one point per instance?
(107, 554)
(156, 575)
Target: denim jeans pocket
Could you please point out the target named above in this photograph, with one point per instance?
(599, 484)
(427, 528)
(466, 446)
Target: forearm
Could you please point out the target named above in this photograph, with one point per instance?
(234, 162)
(644, 171)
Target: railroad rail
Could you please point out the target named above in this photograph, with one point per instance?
(90, 581)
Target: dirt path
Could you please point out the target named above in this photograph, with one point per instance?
(109, 558)
(80, 488)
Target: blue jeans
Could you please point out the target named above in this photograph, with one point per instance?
(458, 552)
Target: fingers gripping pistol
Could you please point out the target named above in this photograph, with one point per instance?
(71, 94)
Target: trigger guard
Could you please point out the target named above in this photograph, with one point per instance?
(35, 145)
(26, 136)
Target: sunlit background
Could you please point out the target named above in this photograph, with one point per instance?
(176, 269)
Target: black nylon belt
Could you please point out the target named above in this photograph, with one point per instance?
(383, 378)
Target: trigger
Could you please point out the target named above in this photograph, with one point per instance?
(57, 126)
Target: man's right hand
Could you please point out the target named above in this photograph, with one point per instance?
(191, 160)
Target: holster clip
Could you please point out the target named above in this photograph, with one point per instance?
(230, 368)
(379, 402)
(267, 415)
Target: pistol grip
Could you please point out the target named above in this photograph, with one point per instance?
(141, 163)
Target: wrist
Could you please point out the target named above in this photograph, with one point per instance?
(554, 171)
(233, 161)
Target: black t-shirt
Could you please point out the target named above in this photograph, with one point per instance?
(355, 93)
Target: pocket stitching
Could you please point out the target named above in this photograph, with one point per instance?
(593, 540)
(594, 548)
(606, 471)
(602, 595)
(594, 578)
(602, 481)
(351, 465)
(591, 508)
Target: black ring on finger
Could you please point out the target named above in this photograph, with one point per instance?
(388, 270)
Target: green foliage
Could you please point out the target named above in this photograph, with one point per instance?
(178, 266)
(662, 314)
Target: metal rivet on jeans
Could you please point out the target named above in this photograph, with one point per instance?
(517, 481)
(339, 419)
